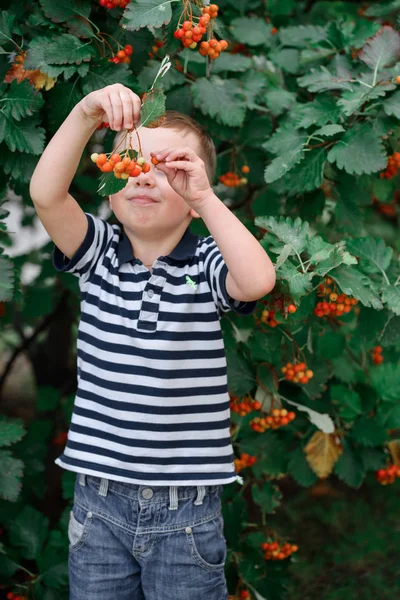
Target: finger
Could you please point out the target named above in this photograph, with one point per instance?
(116, 104)
(107, 107)
(136, 104)
(182, 154)
(127, 111)
(184, 165)
(161, 154)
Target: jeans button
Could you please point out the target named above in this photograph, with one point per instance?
(188, 530)
(147, 493)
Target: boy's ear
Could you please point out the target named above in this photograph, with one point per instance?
(110, 201)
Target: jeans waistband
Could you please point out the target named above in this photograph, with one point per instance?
(147, 492)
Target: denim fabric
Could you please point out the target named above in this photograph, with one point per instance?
(138, 542)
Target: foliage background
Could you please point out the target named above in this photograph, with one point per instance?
(313, 109)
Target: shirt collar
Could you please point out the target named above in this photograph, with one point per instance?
(185, 249)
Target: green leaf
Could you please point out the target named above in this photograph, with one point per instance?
(109, 184)
(391, 105)
(285, 139)
(107, 74)
(278, 100)
(219, 98)
(287, 231)
(171, 79)
(319, 112)
(337, 257)
(268, 497)
(21, 100)
(24, 136)
(349, 467)
(11, 472)
(7, 27)
(240, 373)
(62, 50)
(273, 458)
(299, 468)
(153, 108)
(308, 174)
(281, 165)
(64, 10)
(367, 431)
(286, 58)
(383, 50)
(29, 531)
(320, 80)
(252, 31)
(354, 283)
(300, 36)
(11, 430)
(386, 381)
(6, 279)
(232, 62)
(359, 151)
(299, 283)
(146, 13)
(391, 297)
(373, 253)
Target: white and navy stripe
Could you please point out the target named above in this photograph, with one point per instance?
(152, 403)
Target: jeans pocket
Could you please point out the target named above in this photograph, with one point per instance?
(206, 543)
(77, 530)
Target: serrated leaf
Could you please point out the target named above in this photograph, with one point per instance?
(319, 112)
(299, 283)
(391, 297)
(354, 283)
(29, 530)
(153, 108)
(232, 62)
(268, 497)
(299, 468)
(21, 100)
(329, 130)
(147, 13)
(24, 136)
(347, 401)
(337, 257)
(359, 151)
(62, 50)
(171, 79)
(221, 99)
(391, 105)
(367, 431)
(287, 231)
(6, 279)
(109, 184)
(286, 58)
(308, 174)
(386, 381)
(285, 139)
(240, 373)
(301, 36)
(374, 254)
(281, 165)
(382, 11)
(6, 27)
(320, 80)
(352, 101)
(383, 50)
(252, 31)
(64, 10)
(11, 472)
(349, 468)
(107, 74)
(11, 430)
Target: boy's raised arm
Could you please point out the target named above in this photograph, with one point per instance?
(60, 214)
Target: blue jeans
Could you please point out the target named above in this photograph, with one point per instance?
(137, 542)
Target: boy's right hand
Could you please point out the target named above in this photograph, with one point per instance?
(115, 104)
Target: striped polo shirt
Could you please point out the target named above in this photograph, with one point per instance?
(152, 403)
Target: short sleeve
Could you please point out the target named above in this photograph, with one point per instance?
(93, 247)
(216, 271)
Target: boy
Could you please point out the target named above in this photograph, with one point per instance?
(149, 435)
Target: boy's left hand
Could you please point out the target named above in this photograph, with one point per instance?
(186, 174)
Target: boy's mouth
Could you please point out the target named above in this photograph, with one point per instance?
(143, 199)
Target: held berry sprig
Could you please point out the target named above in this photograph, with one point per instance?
(392, 168)
(276, 418)
(114, 3)
(297, 373)
(275, 551)
(123, 166)
(244, 461)
(243, 406)
(377, 357)
(388, 475)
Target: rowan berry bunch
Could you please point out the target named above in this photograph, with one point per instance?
(12, 596)
(122, 56)
(297, 373)
(389, 209)
(114, 3)
(123, 166)
(191, 30)
(392, 168)
(277, 418)
(388, 475)
(243, 595)
(155, 48)
(244, 406)
(268, 317)
(377, 357)
(244, 461)
(335, 304)
(276, 551)
(231, 179)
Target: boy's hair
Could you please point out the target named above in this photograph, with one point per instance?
(181, 122)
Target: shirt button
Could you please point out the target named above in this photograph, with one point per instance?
(150, 293)
(188, 530)
(147, 493)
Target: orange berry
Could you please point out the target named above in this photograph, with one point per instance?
(107, 167)
(154, 160)
(292, 308)
(121, 54)
(115, 158)
(245, 168)
(224, 45)
(101, 159)
(187, 25)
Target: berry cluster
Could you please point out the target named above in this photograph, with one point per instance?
(158, 44)
(377, 357)
(336, 304)
(268, 317)
(274, 551)
(12, 596)
(244, 461)
(122, 56)
(277, 418)
(388, 475)
(123, 167)
(231, 179)
(244, 406)
(114, 3)
(103, 125)
(298, 373)
(244, 595)
(389, 209)
(191, 33)
(393, 166)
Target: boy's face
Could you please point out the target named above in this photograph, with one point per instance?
(168, 210)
